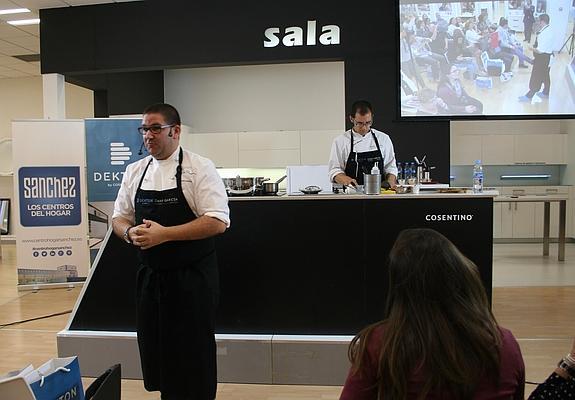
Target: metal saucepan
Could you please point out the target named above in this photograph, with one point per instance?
(239, 185)
(272, 187)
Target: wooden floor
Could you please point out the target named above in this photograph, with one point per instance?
(542, 318)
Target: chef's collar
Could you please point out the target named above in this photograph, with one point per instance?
(359, 134)
(175, 156)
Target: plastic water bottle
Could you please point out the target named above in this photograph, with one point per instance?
(477, 177)
(399, 171)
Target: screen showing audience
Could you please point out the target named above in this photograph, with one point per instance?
(487, 58)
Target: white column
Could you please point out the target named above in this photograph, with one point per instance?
(54, 95)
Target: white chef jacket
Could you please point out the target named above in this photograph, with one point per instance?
(341, 148)
(202, 186)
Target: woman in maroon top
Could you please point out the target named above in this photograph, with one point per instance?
(439, 339)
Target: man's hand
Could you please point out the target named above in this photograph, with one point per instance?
(345, 180)
(470, 109)
(148, 234)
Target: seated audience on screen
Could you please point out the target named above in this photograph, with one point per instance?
(452, 92)
(495, 50)
(439, 338)
(510, 45)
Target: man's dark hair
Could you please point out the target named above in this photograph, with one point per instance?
(362, 107)
(503, 22)
(544, 18)
(169, 112)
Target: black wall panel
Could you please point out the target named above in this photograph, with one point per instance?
(155, 35)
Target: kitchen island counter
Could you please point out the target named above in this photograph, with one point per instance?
(291, 267)
(333, 196)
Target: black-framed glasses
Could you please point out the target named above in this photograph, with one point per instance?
(367, 124)
(155, 129)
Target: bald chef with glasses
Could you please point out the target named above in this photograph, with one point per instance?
(357, 150)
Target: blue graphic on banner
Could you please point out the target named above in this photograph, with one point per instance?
(49, 196)
(111, 144)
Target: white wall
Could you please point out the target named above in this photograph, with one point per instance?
(256, 98)
(21, 98)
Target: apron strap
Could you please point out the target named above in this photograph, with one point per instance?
(378, 148)
(144, 174)
(179, 169)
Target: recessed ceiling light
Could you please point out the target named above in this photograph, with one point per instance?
(34, 21)
(14, 11)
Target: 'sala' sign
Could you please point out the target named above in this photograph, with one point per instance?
(294, 35)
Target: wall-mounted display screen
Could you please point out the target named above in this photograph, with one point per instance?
(487, 58)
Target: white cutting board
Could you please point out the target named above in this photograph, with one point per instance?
(300, 176)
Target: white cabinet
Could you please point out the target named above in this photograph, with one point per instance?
(548, 149)
(508, 149)
(525, 220)
(316, 146)
(262, 149)
(284, 140)
(221, 148)
(269, 149)
(465, 149)
(514, 220)
(497, 220)
(496, 149)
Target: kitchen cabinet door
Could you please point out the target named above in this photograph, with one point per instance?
(268, 158)
(283, 140)
(497, 220)
(465, 149)
(221, 148)
(543, 148)
(316, 146)
(523, 220)
(497, 149)
(506, 220)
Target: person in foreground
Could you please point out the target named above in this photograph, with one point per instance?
(170, 206)
(439, 338)
(560, 385)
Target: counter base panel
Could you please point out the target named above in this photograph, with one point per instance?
(316, 360)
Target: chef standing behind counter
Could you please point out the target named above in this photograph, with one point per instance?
(351, 158)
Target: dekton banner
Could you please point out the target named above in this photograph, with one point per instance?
(111, 144)
(50, 194)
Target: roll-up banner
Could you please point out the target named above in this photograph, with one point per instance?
(50, 193)
(111, 144)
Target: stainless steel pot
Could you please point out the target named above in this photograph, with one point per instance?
(272, 187)
(242, 186)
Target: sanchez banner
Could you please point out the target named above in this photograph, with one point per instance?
(50, 194)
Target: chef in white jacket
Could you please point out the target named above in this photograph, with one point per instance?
(357, 150)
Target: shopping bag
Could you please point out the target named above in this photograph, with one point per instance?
(107, 386)
(14, 386)
(58, 379)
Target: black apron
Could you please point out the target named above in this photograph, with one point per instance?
(359, 163)
(177, 292)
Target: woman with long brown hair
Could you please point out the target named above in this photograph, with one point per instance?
(439, 338)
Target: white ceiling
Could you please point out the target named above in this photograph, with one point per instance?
(25, 39)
